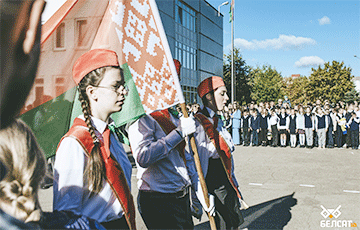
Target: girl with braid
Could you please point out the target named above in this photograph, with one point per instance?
(92, 174)
(25, 167)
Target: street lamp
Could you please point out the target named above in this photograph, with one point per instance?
(223, 4)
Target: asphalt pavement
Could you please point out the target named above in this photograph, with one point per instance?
(288, 188)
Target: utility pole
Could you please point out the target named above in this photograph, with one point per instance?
(232, 50)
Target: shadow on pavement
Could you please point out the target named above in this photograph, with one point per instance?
(273, 214)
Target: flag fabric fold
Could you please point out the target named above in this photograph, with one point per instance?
(231, 12)
(131, 28)
(134, 30)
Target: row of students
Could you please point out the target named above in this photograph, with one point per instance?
(329, 128)
(93, 174)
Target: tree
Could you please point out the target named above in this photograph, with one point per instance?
(351, 96)
(242, 87)
(295, 89)
(267, 84)
(331, 82)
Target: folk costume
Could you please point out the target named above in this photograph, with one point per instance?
(113, 206)
(215, 147)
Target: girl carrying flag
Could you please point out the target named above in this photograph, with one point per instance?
(92, 172)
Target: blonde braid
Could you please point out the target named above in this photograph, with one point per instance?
(26, 166)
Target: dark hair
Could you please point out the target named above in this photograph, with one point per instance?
(17, 69)
(94, 172)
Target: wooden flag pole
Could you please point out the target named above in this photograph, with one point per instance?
(199, 169)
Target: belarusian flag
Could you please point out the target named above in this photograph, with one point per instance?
(133, 29)
(231, 12)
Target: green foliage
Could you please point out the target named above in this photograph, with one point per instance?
(295, 89)
(241, 77)
(351, 96)
(267, 84)
(330, 83)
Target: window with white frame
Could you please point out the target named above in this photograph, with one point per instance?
(81, 33)
(60, 37)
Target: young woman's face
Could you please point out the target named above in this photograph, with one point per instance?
(111, 91)
(221, 97)
(301, 110)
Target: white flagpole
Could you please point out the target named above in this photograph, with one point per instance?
(232, 50)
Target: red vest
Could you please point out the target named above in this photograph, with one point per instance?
(221, 146)
(114, 175)
(163, 119)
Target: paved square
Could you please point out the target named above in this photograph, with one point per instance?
(286, 187)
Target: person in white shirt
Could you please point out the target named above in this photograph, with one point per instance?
(165, 168)
(215, 147)
(300, 126)
(283, 125)
(92, 173)
(273, 121)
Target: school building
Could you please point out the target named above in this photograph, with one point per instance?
(194, 32)
(195, 35)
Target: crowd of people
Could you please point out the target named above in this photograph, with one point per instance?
(92, 172)
(321, 125)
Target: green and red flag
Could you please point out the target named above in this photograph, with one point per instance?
(231, 12)
(134, 30)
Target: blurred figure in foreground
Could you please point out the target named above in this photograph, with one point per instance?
(25, 163)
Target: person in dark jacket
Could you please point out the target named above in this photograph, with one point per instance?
(292, 128)
(255, 126)
(263, 124)
(283, 125)
(348, 115)
(340, 127)
(309, 128)
(353, 125)
(329, 133)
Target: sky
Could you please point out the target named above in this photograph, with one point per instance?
(294, 36)
(291, 36)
